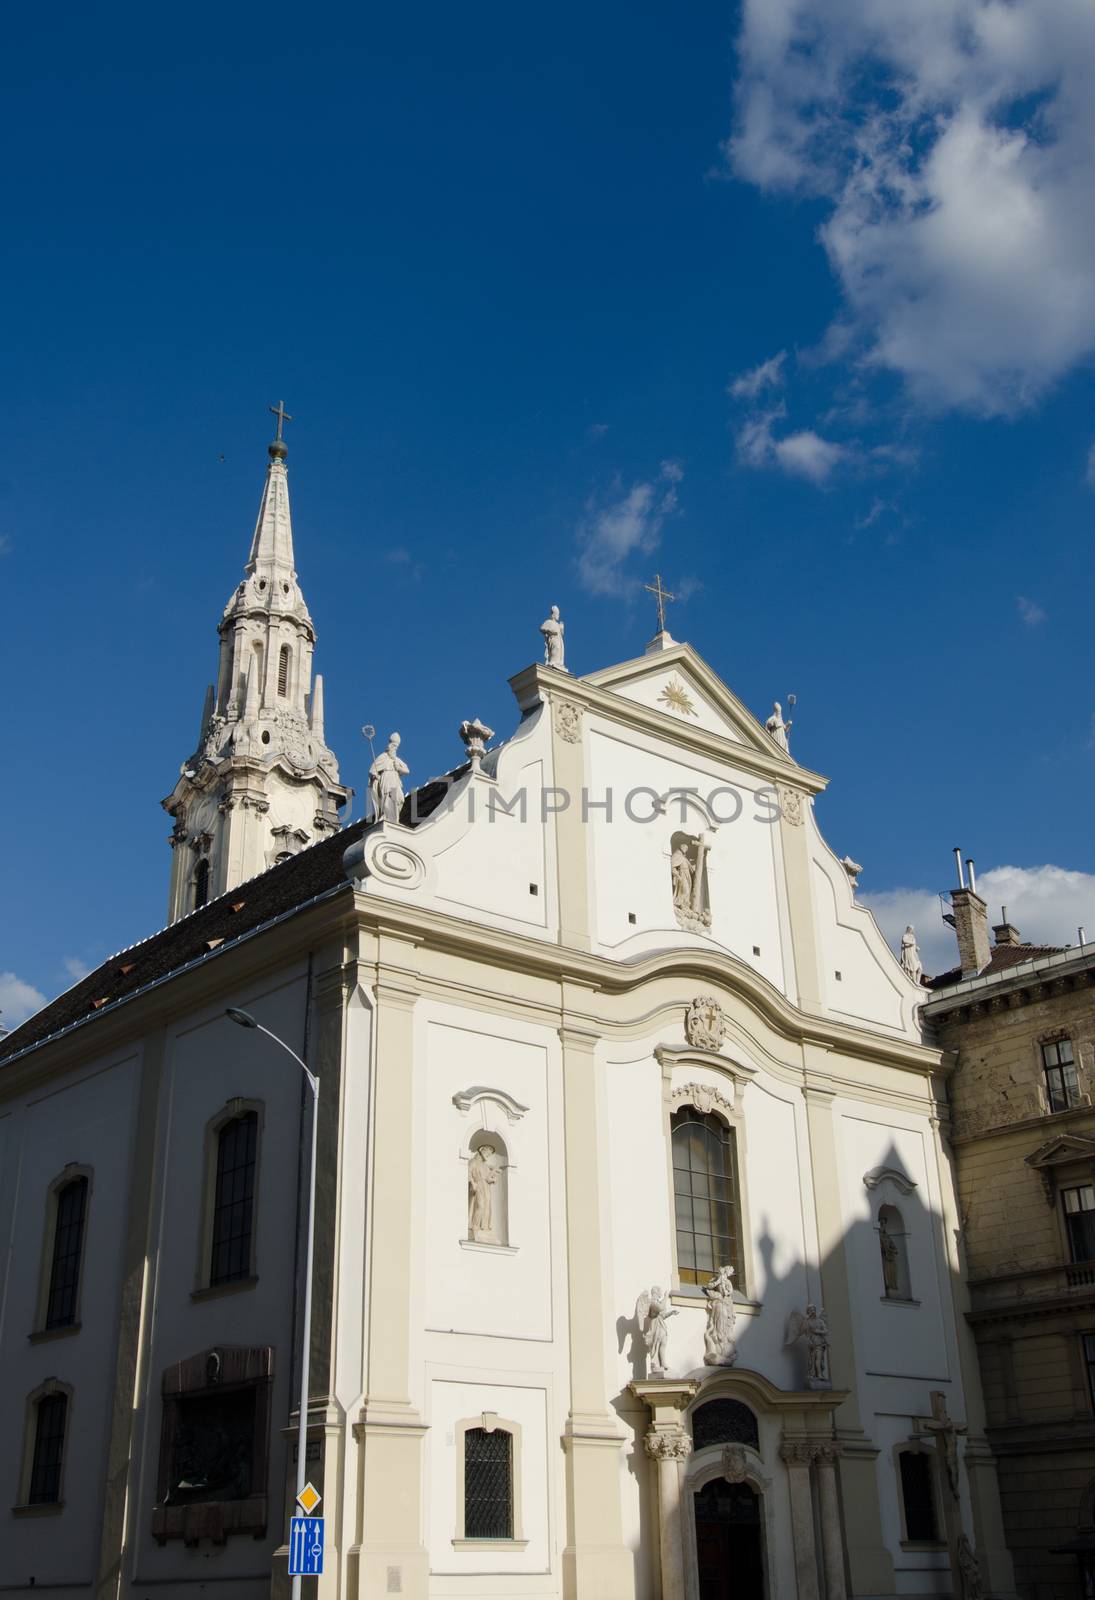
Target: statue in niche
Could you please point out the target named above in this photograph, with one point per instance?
(688, 873)
(553, 629)
(482, 1178)
(719, 1346)
(779, 729)
(652, 1313)
(386, 782)
(812, 1326)
(911, 964)
(891, 1257)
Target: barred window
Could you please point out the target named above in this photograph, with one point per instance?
(918, 1497)
(705, 1192)
(488, 1484)
(201, 883)
(283, 671)
(724, 1422)
(1079, 1204)
(49, 1447)
(234, 1198)
(1062, 1086)
(68, 1244)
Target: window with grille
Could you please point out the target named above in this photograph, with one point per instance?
(1062, 1087)
(918, 1497)
(68, 1244)
(201, 883)
(705, 1193)
(1079, 1207)
(234, 1198)
(49, 1448)
(283, 671)
(724, 1422)
(488, 1484)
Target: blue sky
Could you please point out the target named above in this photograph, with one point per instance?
(504, 267)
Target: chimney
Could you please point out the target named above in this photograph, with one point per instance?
(1005, 932)
(971, 923)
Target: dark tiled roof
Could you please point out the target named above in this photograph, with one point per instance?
(289, 884)
(1003, 957)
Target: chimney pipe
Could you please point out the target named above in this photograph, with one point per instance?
(958, 864)
(972, 878)
(1083, 936)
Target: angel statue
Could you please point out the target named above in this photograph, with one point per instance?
(811, 1326)
(652, 1312)
(719, 1347)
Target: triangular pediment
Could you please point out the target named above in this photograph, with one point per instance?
(1065, 1148)
(673, 680)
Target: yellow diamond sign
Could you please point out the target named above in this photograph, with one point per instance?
(308, 1499)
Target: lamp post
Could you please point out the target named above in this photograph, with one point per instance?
(244, 1019)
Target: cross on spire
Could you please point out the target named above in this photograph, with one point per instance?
(282, 415)
(661, 595)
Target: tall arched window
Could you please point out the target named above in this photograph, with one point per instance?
(705, 1192)
(201, 882)
(68, 1246)
(283, 671)
(488, 1483)
(50, 1417)
(234, 1199)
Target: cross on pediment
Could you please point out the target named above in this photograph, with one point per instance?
(661, 595)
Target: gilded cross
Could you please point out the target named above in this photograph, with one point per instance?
(661, 596)
(282, 416)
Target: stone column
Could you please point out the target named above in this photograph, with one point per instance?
(670, 1448)
(832, 1537)
(797, 1455)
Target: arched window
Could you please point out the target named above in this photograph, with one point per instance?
(201, 882)
(705, 1192)
(488, 1189)
(283, 671)
(50, 1418)
(893, 1247)
(918, 1497)
(724, 1421)
(234, 1199)
(488, 1483)
(67, 1255)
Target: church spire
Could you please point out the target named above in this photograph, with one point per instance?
(262, 783)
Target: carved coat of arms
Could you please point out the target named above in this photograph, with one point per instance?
(704, 1023)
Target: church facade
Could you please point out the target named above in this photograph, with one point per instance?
(636, 1259)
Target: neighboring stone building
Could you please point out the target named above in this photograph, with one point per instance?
(636, 1266)
(1021, 1021)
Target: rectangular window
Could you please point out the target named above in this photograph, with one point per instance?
(1087, 1343)
(488, 1484)
(1062, 1086)
(68, 1244)
(705, 1194)
(234, 1199)
(1079, 1207)
(918, 1497)
(49, 1448)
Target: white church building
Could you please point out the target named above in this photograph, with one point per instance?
(596, 1019)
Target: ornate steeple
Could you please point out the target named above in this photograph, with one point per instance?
(262, 783)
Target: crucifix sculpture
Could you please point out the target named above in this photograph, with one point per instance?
(661, 595)
(282, 416)
(945, 1431)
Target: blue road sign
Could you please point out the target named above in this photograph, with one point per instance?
(305, 1547)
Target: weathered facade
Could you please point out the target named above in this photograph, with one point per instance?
(1022, 1031)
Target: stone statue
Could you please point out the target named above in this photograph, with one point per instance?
(719, 1347)
(811, 1326)
(853, 869)
(681, 868)
(652, 1313)
(890, 1257)
(386, 782)
(969, 1571)
(482, 1177)
(778, 728)
(552, 631)
(911, 964)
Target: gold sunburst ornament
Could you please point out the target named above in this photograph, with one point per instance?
(675, 696)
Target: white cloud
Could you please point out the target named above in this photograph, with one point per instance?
(1030, 611)
(18, 1000)
(769, 375)
(628, 525)
(955, 143)
(1047, 904)
(76, 968)
(804, 454)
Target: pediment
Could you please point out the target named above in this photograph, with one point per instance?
(677, 683)
(1065, 1148)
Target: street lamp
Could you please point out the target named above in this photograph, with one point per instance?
(244, 1019)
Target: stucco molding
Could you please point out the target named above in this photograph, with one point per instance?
(880, 1175)
(465, 1099)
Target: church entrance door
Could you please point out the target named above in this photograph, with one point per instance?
(729, 1552)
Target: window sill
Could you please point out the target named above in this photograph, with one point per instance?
(214, 1291)
(490, 1544)
(491, 1249)
(696, 1298)
(898, 1300)
(48, 1508)
(928, 1546)
(44, 1335)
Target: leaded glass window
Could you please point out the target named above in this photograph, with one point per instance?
(918, 1496)
(68, 1244)
(1062, 1086)
(724, 1422)
(705, 1192)
(49, 1448)
(234, 1199)
(488, 1484)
